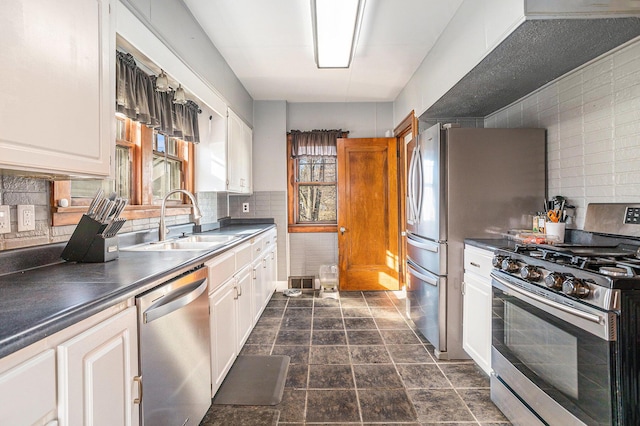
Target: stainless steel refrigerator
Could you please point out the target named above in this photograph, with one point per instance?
(463, 183)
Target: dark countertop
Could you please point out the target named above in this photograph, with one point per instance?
(490, 243)
(38, 302)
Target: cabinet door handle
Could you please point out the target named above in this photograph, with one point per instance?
(475, 264)
(463, 289)
(235, 289)
(138, 380)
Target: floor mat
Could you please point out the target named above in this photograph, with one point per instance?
(254, 380)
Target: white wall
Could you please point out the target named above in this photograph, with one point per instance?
(592, 117)
(269, 146)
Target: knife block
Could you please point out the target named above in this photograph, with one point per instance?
(87, 244)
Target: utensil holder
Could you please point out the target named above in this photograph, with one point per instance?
(555, 229)
(87, 244)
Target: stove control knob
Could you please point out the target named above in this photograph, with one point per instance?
(575, 287)
(497, 261)
(510, 265)
(554, 280)
(530, 273)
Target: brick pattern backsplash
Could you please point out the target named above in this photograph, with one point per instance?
(266, 204)
(592, 117)
(311, 250)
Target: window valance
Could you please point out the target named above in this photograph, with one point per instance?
(137, 98)
(315, 142)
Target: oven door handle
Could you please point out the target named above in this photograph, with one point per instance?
(598, 319)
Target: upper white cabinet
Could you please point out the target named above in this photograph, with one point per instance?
(239, 146)
(211, 152)
(57, 88)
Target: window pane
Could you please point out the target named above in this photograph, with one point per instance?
(166, 176)
(121, 129)
(317, 203)
(123, 171)
(159, 142)
(88, 188)
(316, 169)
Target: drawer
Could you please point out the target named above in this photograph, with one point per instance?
(243, 256)
(257, 247)
(478, 261)
(221, 268)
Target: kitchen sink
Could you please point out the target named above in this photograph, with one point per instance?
(192, 242)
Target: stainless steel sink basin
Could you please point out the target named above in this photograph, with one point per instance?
(192, 242)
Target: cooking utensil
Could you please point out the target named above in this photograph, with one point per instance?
(554, 216)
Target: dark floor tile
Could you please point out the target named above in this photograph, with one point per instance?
(360, 324)
(374, 294)
(291, 407)
(386, 405)
(439, 405)
(480, 404)
(369, 355)
(269, 321)
(326, 303)
(465, 375)
(356, 312)
(256, 350)
(399, 337)
(225, 415)
(330, 377)
(295, 323)
(350, 294)
(380, 303)
(297, 376)
(263, 335)
(353, 303)
(293, 337)
(298, 354)
(409, 354)
(332, 406)
(422, 376)
(392, 324)
(385, 312)
(377, 376)
(364, 337)
(327, 312)
(329, 355)
(277, 303)
(328, 324)
(496, 423)
(300, 303)
(272, 312)
(298, 312)
(328, 337)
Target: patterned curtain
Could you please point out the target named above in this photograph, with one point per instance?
(315, 142)
(137, 98)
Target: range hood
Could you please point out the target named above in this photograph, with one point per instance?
(535, 53)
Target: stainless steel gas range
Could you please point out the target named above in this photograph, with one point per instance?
(566, 329)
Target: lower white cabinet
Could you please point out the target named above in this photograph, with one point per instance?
(96, 371)
(244, 314)
(476, 310)
(224, 331)
(28, 391)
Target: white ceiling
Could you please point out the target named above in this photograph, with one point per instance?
(269, 46)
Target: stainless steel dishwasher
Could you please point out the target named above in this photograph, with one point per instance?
(173, 321)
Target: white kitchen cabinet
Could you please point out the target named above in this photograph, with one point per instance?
(224, 332)
(244, 314)
(211, 152)
(239, 146)
(57, 114)
(28, 391)
(258, 290)
(96, 371)
(476, 311)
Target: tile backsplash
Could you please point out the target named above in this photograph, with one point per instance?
(592, 117)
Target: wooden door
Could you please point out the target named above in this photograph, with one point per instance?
(368, 214)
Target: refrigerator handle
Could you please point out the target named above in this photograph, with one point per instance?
(420, 172)
(429, 246)
(427, 279)
(411, 188)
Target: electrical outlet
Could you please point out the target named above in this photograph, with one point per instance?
(5, 222)
(26, 218)
(245, 207)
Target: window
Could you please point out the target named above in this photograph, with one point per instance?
(168, 154)
(313, 182)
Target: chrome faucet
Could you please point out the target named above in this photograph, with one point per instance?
(195, 216)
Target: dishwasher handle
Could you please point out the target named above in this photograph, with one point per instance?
(175, 300)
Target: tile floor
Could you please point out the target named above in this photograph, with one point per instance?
(356, 361)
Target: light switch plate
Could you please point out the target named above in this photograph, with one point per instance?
(26, 218)
(5, 220)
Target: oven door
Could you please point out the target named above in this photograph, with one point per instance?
(556, 358)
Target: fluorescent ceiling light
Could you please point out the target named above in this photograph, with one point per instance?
(335, 30)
